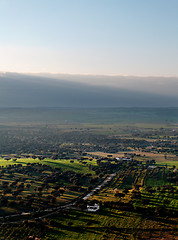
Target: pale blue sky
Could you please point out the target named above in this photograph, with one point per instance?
(124, 37)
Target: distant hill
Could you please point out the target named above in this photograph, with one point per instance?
(48, 90)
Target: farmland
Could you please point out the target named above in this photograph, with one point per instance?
(28, 185)
(138, 202)
(52, 163)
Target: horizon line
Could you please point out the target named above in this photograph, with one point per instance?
(89, 74)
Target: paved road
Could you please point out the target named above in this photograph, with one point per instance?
(96, 189)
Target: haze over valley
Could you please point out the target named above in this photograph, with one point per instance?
(62, 90)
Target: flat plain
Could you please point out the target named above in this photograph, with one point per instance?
(54, 157)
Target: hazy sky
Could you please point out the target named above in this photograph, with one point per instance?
(124, 37)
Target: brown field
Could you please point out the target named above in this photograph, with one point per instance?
(149, 155)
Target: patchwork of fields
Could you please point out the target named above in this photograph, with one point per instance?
(46, 165)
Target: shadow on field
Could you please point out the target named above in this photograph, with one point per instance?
(62, 165)
(110, 214)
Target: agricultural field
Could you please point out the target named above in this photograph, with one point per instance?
(108, 223)
(139, 202)
(31, 184)
(132, 207)
(46, 166)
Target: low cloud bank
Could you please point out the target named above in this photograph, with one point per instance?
(62, 90)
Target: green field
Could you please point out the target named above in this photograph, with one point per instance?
(105, 224)
(64, 164)
(168, 163)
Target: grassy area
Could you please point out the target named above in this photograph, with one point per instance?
(105, 224)
(168, 163)
(64, 164)
(76, 166)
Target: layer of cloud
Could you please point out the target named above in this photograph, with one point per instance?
(62, 90)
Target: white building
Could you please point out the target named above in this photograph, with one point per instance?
(93, 208)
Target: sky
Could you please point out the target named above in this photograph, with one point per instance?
(108, 37)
